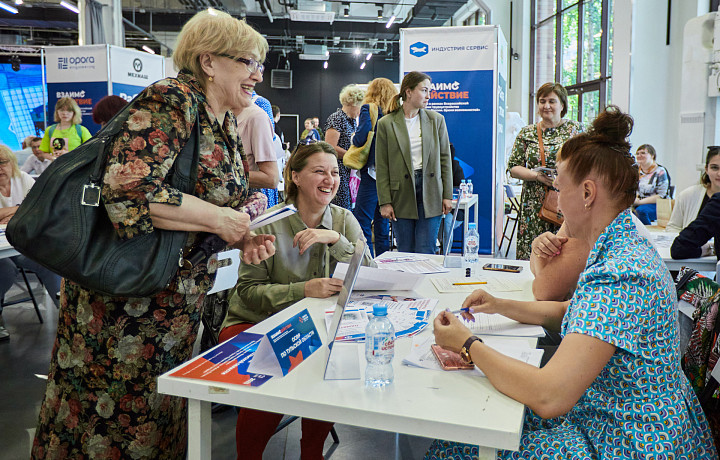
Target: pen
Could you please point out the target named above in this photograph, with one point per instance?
(462, 310)
(469, 283)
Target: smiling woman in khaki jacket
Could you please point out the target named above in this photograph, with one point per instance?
(414, 169)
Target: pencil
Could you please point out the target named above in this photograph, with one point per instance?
(466, 284)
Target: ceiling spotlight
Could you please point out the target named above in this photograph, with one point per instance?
(346, 9)
(148, 49)
(15, 62)
(69, 6)
(367, 58)
(356, 52)
(18, 2)
(389, 23)
(362, 66)
(325, 64)
(8, 8)
(380, 11)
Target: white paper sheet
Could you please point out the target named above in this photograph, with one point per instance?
(226, 277)
(492, 284)
(495, 324)
(376, 279)
(408, 262)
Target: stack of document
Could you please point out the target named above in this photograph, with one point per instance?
(408, 262)
(270, 217)
(495, 324)
(421, 354)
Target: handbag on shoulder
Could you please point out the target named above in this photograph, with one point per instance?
(356, 157)
(550, 210)
(63, 225)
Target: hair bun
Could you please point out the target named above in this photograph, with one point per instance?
(612, 126)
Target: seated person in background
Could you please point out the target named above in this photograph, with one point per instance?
(106, 108)
(610, 388)
(309, 245)
(653, 184)
(692, 241)
(14, 186)
(693, 199)
(38, 161)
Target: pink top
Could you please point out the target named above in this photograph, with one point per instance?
(256, 133)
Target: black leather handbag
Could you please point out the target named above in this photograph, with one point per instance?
(62, 224)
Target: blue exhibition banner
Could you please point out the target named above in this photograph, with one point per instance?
(127, 92)
(85, 93)
(466, 65)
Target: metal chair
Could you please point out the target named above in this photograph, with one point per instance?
(25, 299)
(514, 208)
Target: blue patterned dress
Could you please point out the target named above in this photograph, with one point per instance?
(641, 405)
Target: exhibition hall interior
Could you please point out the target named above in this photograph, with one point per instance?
(497, 86)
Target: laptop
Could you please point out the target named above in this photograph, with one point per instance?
(343, 361)
(451, 260)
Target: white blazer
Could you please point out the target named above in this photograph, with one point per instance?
(687, 206)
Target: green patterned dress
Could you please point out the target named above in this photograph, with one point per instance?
(101, 400)
(526, 152)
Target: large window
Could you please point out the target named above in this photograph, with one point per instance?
(571, 45)
(479, 17)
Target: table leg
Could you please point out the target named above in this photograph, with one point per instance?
(199, 430)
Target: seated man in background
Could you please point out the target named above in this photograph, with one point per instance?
(38, 161)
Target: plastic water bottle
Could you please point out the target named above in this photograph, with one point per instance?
(469, 188)
(463, 189)
(379, 349)
(472, 244)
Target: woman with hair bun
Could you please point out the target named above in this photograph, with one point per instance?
(614, 387)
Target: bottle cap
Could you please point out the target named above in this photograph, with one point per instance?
(379, 310)
(472, 225)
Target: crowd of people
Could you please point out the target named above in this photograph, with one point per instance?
(102, 399)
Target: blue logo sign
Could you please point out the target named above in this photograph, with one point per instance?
(62, 63)
(419, 49)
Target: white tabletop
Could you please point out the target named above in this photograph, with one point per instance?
(663, 240)
(437, 404)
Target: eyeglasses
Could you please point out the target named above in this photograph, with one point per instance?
(307, 141)
(252, 65)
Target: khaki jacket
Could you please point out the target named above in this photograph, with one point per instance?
(395, 175)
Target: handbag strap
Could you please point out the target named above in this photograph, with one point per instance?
(542, 147)
(373, 108)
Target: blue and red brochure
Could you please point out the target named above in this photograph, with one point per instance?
(227, 363)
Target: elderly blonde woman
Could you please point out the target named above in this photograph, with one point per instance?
(14, 186)
(339, 129)
(101, 399)
(67, 133)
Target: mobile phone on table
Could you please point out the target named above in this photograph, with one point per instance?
(503, 268)
(449, 360)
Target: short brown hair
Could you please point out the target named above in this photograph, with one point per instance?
(559, 91)
(69, 104)
(380, 92)
(649, 149)
(214, 32)
(713, 151)
(106, 108)
(297, 162)
(409, 82)
(605, 151)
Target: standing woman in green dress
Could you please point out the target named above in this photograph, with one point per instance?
(551, 100)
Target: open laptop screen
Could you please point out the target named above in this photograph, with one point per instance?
(344, 366)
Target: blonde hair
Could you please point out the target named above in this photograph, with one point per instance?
(69, 104)
(215, 33)
(297, 162)
(7, 154)
(351, 95)
(380, 92)
(410, 81)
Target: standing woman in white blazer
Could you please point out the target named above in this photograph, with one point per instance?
(414, 167)
(693, 199)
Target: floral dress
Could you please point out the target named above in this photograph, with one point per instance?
(346, 127)
(641, 404)
(101, 400)
(526, 152)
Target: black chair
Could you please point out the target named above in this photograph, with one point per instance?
(4, 304)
